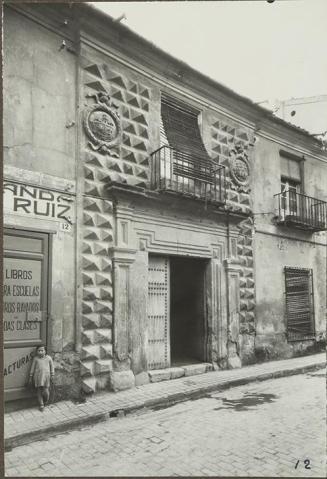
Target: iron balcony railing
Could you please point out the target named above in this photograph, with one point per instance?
(189, 175)
(301, 211)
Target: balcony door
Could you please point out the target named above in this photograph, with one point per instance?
(290, 198)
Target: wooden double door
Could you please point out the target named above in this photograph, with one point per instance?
(176, 326)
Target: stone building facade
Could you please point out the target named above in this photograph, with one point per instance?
(141, 229)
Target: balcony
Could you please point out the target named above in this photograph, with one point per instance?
(188, 175)
(301, 211)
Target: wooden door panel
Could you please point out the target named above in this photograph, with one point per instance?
(25, 303)
(158, 313)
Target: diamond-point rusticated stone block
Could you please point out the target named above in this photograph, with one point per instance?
(91, 263)
(89, 385)
(105, 320)
(106, 351)
(88, 337)
(139, 145)
(88, 219)
(90, 352)
(87, 368)
(139, 118)
(100, 249)
(144, 91)
(102, 335)
(103, 221)
(89, 294)
(250, 316)
(103, 176)
(88, 173)
(91, 204)
(250, 283)
(243, 305)
(94, 69)
(87, 248)
(96, 85)
(92, 188)
(103, 307)
(88, 279)
(117, 94)
(87, 307)
(144, 160)
(131, 99)
(128, 169)
(106, 264)
(106, 235)
(93, 160)
(247, 251)
(251, 305)
(249, 293)
(106, 294)
(143, 132)
(102, 279)
(102, 366)
(91, 234)
(91, 321)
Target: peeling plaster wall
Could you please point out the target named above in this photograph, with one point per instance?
(39, 99)
(278, 246)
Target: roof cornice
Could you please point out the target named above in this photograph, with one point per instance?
(95, 26)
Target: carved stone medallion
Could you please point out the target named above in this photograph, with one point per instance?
(239, 167)
(101, 123)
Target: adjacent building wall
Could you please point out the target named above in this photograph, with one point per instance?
(280, 246)
(39, 153)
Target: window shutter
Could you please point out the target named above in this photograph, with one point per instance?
(180, 125)
(299, 303)
(290, 168)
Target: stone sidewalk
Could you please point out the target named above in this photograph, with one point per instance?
(25, 426)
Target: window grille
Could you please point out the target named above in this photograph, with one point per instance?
(299, 303)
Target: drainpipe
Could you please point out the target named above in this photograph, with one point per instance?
(227, 282)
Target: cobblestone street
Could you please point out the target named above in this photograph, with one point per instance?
(271, 428)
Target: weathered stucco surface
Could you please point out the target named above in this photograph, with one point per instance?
(97, 330)
(39, 99)
(278, 246)
(39, 149)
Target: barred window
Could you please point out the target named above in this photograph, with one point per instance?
(299, 303)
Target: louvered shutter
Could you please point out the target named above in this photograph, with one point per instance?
(299, 303)
(181, 128)
(158, 350)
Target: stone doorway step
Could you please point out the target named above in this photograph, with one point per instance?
(157, 375)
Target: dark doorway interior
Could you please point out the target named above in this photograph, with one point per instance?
(187, 313)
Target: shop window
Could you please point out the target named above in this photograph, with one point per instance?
(299, 303)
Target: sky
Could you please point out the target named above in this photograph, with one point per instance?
(261, 50)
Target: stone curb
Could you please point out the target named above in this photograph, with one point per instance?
(161, 402)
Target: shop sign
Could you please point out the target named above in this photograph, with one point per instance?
(36, 202)
(17, 365)
(22, 313)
